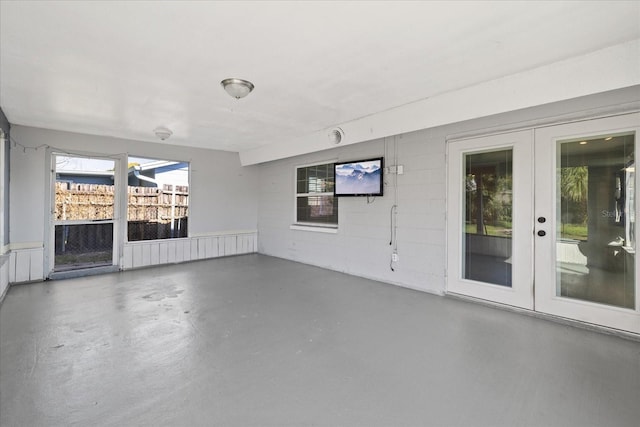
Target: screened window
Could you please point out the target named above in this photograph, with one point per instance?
(315, 203)
(157, 199)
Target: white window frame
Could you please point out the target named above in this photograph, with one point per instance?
(126, 196)
(322, 227)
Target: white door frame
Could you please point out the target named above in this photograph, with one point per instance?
(520, 294)
(49, 206)
(539, 168)
(546, 300)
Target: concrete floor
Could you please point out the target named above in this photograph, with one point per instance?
(254, 340)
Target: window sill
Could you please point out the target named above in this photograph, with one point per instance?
(315, 228)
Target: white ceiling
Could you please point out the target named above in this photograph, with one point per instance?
(124, 68)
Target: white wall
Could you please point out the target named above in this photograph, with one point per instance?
(361, 245)
(223, 193)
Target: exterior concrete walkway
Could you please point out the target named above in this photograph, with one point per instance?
(255, 340)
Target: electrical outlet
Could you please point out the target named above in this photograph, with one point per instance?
(400, 169)
(394, 257)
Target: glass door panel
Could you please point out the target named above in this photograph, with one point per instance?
(83, 212)
(83, 246)
(595, 256)
(487, 227)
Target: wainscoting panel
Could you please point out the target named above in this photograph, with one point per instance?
(157, 252)
(26, 265)
(4, 275)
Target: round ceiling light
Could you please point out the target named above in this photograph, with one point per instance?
(162, 132)
(237, 88)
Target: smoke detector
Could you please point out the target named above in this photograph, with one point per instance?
(162, 133)
(336, 135)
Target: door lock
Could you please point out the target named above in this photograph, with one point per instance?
(542, 233)
(542, 219)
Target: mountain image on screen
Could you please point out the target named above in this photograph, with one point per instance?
(358, 178)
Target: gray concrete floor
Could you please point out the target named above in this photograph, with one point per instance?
(254, 340)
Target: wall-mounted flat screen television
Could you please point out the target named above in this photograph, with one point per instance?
(359, 178)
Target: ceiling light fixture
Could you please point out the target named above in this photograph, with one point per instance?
(609, 138)
(162, 132)
(237, 88)
(583, 142)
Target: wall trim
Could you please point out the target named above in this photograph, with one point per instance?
(315, 229)
(580, 116)
(220, 233)
(18, 246)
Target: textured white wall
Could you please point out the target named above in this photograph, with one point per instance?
(361, 245)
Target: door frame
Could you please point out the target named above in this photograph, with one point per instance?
(546, 300)
(543, 287)
(520, 294)
(49, 209)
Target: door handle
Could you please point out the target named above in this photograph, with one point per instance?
(542, 233)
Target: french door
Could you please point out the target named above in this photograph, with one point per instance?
(544, 220)
(83, 213)
(489, 224)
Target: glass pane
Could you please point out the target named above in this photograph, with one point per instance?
(84, 189)
(318, 209)
(595, 239)
(302, 174)
(158, 199)
(81, 246)
(487, 217)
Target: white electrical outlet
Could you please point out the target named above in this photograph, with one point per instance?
(394, 257)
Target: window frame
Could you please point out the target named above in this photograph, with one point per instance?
(310, 225)
(128, 158)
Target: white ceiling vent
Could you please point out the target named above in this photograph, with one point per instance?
(336, 135)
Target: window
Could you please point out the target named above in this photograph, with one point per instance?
(315, 203)
(157, 199)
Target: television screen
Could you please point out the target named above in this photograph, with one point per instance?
(359, 178)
